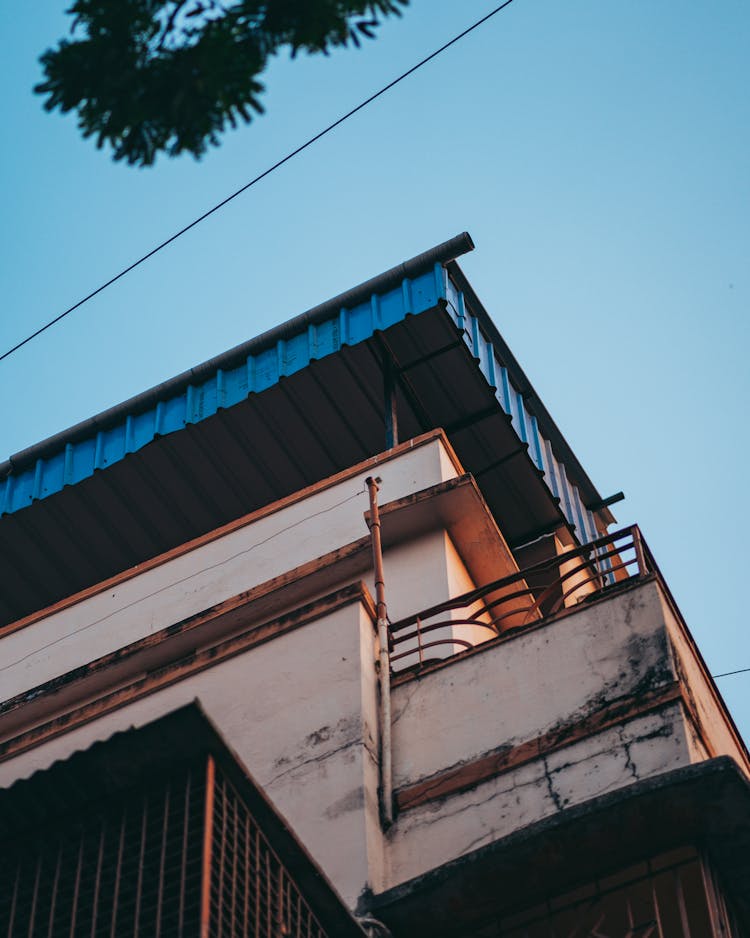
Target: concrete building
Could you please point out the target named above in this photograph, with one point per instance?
(354, 564)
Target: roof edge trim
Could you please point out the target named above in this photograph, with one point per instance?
(439, 254)
(546, 422)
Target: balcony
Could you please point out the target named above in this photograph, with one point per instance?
(573, 678)
(541, 591)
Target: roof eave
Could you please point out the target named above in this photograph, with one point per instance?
(546, 423)
(440, 254)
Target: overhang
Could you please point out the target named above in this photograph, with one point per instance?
(280, 412)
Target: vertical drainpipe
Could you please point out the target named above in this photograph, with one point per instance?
(208, 822)
(386, 769)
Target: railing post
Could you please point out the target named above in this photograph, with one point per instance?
(208, 827)
(639, 552)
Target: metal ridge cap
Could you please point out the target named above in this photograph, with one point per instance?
(439, 254)
(546, 421)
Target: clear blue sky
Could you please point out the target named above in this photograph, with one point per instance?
(599, 154)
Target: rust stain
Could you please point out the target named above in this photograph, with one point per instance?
(508, 758)
(208, 826)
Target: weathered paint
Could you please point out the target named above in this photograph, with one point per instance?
(719, 736)
(323, 748)
(530, 684)
(329, 517)
(437, 832)
(609, 693)
(507, 758)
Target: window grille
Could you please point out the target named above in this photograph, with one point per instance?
(175, 859)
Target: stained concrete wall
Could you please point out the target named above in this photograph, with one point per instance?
(301, 713)
(531, 683)
(527, 688)
(329, 518)
(301, 710)
(704, 696)
(435, 832)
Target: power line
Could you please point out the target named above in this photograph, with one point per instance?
(258, 178)
(730, 673)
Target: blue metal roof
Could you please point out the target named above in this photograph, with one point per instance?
(75, 455)
(283, 411)
(78, 459)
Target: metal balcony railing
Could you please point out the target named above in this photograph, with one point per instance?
(538, 592)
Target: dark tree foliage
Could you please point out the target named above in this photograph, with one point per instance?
(150, 76)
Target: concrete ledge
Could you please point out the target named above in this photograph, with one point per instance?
(62, 714)
(506, 758)
(706, 805)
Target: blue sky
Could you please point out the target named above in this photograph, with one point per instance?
(599, 154)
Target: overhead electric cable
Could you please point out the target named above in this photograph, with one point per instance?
(258, 178)
(730, 673)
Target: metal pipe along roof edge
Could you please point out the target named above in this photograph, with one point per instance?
(441, 253)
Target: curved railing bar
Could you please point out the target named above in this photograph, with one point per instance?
(440, 641)
(617, 545)
(585, 550)
(528, 610)
(442, 624)
(585, 565)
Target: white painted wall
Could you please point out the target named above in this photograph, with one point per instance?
(301, 713)
(429, 568)
(328, 519)
(522, 688)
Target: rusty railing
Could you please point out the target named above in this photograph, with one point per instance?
(538, 592)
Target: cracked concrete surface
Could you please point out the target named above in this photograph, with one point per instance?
(319, 760)
(529, 685)
(441, 830)
(525, 689)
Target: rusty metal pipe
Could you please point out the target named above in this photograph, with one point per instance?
(208, 828)
(386, 763)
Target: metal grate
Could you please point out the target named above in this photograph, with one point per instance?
(251, 892)
(663, 900)
(129, 869)
(180, 857)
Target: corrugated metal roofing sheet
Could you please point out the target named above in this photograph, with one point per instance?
(281, 412)
(79, 459)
